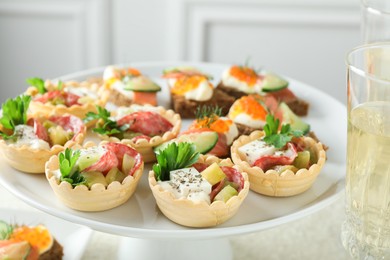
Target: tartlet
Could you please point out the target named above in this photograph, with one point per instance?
(191, 213)
(32, 158)
(97, 197)
(284, 183)
(145, 144)
(95, 95)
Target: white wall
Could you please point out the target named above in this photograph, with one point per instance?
(303, 39)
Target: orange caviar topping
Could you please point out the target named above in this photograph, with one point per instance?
(185, 84)
(38, 236)
(250, 106)
(221, 126)
(245, 74)
(216, 124)
(131, 72)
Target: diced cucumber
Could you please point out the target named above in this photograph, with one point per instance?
(87, 159)
(59, 135)
(295, 121)
(94, 177)
(213, 174)
(115, 175)
(302, 160)
(142, 84)
(226, 193)
(203, 141)
(273, 82)
(127, 163)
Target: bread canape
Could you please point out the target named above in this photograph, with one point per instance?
(28, 242)
(28, 141)
(95, 177)
(70, 97)
(279, 163)
(249, 113)
(128, 86)
(194, 191)
(191, 88)
(240, 81)
(142, 127)
(211, 133)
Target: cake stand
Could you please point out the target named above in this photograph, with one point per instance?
(147, 234)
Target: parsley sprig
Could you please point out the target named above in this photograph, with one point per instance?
(174, 157)
(5, 230)
(106, 126)
(68, 169)
(280, 139)
(14, 113)
(39, 84)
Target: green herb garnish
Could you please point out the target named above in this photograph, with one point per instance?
(208, 114)
(280, 139)
(174, 157)
(5, 230)
(106, 126)
(68, 169)
(14, 113)
(60, 85)
(38, 83)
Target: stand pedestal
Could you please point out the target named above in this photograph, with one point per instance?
(150, 249)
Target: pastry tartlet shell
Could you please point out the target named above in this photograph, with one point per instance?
(76, 110)
(29, 160)
(145, 147)
(272, 183)
(98, 197)
(198, 214)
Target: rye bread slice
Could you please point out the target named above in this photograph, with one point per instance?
(55, 253)
(186, 108)
(117, 98)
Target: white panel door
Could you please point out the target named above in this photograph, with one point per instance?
(48, 39)
(305, 40)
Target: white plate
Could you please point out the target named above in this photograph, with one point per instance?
(74, 238)
(140, 217)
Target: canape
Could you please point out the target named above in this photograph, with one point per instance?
(95, 177)
(191, 88)
(210, 132)
(28, 242)
(128, 86)
(28, 141)
(142, 127)
(70, 97)
(240, 81)
(196, 191)
(249, 114)
(279, 163)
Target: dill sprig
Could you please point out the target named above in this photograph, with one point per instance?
(208, 114)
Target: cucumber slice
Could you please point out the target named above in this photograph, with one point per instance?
(295, 121)
(273, 82)
(142, 84)
(226, 193)
(204, 141)
(87, 159)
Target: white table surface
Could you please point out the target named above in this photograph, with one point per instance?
(316, 236)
